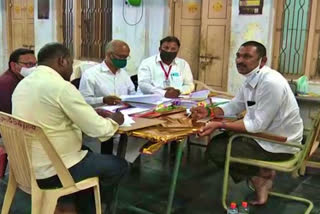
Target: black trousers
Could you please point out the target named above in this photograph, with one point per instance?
(107, 146)
(110, 170)
(241, 147)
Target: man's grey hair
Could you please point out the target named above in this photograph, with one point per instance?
(110, 47)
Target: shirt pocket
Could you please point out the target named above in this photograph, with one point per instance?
(176, 79)
(251, 111)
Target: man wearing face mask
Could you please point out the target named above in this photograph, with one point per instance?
(105, 82)
(165, 73)
(270, 107)
(19, 59)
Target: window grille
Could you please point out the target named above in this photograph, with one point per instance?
(294, 36)
(67, 23)
(96, 28)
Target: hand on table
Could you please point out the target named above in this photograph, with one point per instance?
(209, 128)
(111, 100)
(172, 92)
(117, 117)
(103, 113)
(198, 113)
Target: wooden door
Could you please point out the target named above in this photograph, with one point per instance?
(187, 28)
(21, 24)
(203, 26)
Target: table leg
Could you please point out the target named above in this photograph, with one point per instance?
(122, 146)
(174, 178)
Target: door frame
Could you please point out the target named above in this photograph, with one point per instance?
(200, 74)
(8, 23)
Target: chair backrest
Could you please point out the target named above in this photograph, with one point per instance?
(18, 138)
(311, 138)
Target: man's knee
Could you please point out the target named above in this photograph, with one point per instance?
(216, 149)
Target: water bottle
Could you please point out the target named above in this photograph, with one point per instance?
(244, 208)
(232, 209)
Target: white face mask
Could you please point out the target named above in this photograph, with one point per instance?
(26, 71)
(254, 71)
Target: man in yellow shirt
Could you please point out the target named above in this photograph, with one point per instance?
(47, 99)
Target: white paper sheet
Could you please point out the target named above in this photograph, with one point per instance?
(134, 110)
(111, 108)
(127, 121)
(154, 99)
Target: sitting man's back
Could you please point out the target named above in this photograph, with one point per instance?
(47, 99)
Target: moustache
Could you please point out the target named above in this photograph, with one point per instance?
(241, 65)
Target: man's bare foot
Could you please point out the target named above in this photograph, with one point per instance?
(262, 184)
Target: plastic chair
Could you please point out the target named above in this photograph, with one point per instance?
(18, 136)
(291, 166)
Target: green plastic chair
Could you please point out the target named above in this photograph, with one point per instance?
(291, 166)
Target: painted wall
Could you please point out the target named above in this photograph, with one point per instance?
(245, 28)
(3, 44)
(45, 29)
(141, 27)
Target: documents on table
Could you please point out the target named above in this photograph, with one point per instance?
(199, 95)
(153, 99)
(127, 121)
(124, 109)
(111, 108)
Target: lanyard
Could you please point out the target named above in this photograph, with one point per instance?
(165, 72)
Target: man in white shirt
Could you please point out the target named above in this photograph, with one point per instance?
(165, 73)
(105, 82)
(101, 84)
(47, 99)
(270, 107)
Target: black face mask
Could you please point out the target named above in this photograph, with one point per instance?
(167, 56)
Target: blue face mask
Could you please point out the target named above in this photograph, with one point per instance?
(119, 63)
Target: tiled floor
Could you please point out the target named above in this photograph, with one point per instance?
(198, 188)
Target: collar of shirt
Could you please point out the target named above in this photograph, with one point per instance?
(104, 67)
(158, 59)
(44, 68)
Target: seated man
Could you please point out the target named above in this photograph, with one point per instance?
(20, 58)
(105, 82)
(55, 105)
(270, 107)
(165, 73)
(101, 82)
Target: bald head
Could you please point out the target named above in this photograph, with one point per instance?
(117, 52)
(116, 45)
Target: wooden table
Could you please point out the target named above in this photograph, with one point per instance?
(161, 134)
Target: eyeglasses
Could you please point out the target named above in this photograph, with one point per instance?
(28, 64)
(121, 57)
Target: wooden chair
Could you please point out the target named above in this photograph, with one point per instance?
(18, 136)
(290, 166)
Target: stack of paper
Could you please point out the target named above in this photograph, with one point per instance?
(199, 95)
(150, 99)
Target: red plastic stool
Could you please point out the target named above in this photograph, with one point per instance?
(3, 161)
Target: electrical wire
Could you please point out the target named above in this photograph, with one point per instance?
(125, 19)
